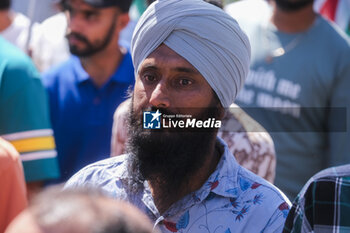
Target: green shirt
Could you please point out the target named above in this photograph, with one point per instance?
(24, 115)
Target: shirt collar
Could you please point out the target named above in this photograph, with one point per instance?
(124, 71)
(81, 74)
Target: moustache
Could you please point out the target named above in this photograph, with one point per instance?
(137, 117)
(162, 110)
(78, 36)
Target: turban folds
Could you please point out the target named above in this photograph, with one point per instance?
(204, 35)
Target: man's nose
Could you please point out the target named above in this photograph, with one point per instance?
(160, 96)
(75, 23)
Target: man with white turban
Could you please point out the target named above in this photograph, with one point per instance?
(190, 59)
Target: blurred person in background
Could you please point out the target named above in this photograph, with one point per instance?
(14, 26)
(323, 204)
(79, 211)
(85, 90)
(49, 46)
(24, 116)
(297, 87)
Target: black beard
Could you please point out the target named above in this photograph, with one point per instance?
(168, 157)
(289, 6)
(90, 48)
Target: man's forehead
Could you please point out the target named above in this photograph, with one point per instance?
(165, 54)
(98, 4)
(86, 5)
(164, 50)
(81, 4)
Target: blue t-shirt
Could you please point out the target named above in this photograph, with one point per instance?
(82, 114)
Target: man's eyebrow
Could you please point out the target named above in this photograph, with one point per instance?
(177, 69)
(148, 66)
(186, 70)
(90, 12)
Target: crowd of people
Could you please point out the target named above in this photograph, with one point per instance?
(78, 152)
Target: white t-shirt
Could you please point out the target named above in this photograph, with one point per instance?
(48, 43)
(17, 32)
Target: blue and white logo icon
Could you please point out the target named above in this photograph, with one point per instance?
(151, 120)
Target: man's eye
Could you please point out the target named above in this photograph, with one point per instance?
(185, 82)
(90, 16)
(149, 78)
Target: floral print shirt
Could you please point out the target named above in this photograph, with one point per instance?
(233, 199)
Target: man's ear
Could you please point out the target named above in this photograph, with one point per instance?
(221, 111)
(122, 21)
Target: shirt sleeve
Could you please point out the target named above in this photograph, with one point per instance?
(25, 120)
(294, 220)
(278, 218)
(339, 114)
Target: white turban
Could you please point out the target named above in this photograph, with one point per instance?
(204, 35)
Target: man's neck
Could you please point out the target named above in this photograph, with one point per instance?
(163, 202)
(102, 66)
(6, 18)
(295, 21)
